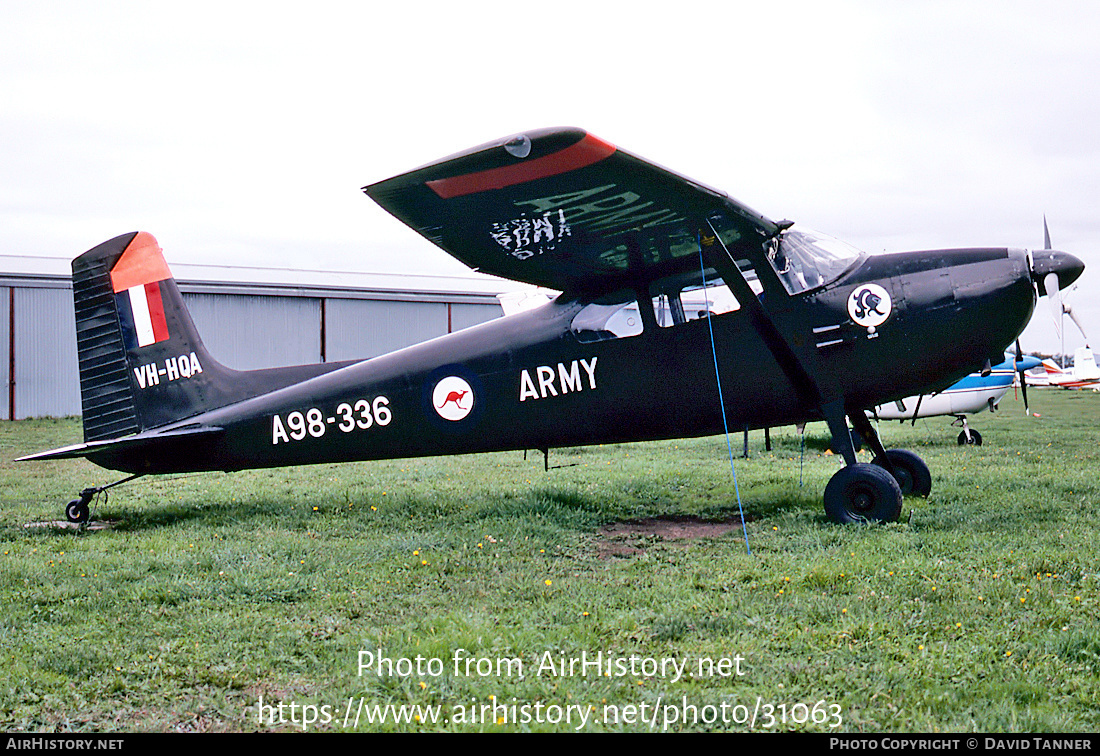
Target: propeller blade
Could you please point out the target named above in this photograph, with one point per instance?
(1046, 234)
(1054, 296)
(1068, 310)
(1020, 372)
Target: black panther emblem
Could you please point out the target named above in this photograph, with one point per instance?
(866, 303)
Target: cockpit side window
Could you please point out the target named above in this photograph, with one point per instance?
(805, 260)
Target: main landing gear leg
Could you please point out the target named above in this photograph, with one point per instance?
(842, 436)
(908, 469)
(858, 492)
(78, 511)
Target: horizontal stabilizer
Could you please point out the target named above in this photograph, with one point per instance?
(126, 443)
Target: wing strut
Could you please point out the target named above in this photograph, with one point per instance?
(814, 390)
(776, 343)
(916, 410)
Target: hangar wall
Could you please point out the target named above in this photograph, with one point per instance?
(5, 358)
(247, 332)
(246, 326)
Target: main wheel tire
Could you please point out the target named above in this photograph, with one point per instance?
(912, 474)
(862, 493)
(77, 511)
(974, 439)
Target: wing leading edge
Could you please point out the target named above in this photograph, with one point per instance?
(564, 209)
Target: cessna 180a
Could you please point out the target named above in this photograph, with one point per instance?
(682, 312)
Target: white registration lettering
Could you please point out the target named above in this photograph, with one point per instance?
(571, 380)
(172, 369)
(382, 412)
(555, 380)
(604, 208)
(278, 432)
(146, 375)
(590, 368)
(526, 387)
(546, 380)
(299, 425)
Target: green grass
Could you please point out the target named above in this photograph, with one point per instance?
(210, 592)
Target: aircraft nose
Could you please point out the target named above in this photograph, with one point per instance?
(1067, 267)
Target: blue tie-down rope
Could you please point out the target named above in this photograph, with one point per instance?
(722, 403)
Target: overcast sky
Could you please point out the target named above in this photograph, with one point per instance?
(241, 133)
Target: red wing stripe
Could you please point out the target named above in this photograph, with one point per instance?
(589, 150)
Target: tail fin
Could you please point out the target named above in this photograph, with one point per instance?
(1084, 364)
(142, 363)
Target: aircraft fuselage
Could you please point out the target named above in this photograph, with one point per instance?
(531, 381)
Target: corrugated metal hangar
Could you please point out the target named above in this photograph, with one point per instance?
(278, 317)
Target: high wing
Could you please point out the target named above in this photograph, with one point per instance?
(564, 209)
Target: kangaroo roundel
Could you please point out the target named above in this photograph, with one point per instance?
(453, 398)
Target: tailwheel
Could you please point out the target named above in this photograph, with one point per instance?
(77, 510)
(863, 493)
(909, 470)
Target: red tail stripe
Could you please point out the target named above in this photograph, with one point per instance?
(156, 311)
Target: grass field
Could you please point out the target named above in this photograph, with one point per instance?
(312, 598)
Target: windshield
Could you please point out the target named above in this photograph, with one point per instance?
(805, 259)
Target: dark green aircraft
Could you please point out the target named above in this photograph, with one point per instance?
(682, 312)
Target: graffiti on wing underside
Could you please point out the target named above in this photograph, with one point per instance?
(529, 236)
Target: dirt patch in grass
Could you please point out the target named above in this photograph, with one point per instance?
(632, 537)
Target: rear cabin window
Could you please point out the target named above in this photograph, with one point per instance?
(685, 297)
(613, 317)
